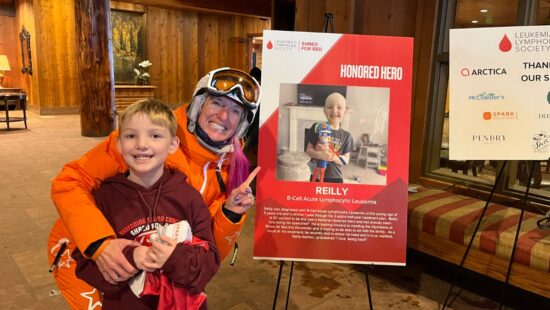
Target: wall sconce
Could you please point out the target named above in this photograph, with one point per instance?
(25, 38)
(4, 66)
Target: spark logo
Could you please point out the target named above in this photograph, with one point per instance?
(486, 116)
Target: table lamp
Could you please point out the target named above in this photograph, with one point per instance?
(4, 66)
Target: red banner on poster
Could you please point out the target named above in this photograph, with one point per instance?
(338, 107)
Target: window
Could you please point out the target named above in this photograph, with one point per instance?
(479, 174)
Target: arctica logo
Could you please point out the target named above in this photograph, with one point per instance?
(485, 96)
(482, 71)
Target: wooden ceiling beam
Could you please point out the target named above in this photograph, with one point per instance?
(258, 8)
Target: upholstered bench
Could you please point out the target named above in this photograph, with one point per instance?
(441, 224)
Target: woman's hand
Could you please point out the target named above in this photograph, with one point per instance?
(111, 262)
(241, 198)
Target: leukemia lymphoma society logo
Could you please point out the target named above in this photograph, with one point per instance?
(282, 45)
(541, 142)
(505, 44)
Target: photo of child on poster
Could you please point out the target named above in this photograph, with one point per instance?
(358, 122)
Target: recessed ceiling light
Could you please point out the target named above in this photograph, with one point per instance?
(484, 10)
(475, 21)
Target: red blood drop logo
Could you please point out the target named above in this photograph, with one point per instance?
(505, 44)
(269, 45)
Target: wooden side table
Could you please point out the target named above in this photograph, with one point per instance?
(128, 94)
(5, 98)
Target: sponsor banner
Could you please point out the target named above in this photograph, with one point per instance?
(363, 219)
(499, 83)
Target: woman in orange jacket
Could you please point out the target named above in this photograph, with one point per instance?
(210, 128)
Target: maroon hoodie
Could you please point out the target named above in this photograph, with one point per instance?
(134, 212)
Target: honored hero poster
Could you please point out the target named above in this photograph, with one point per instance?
(499, 93)
(363, 219)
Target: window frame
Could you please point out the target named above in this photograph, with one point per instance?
(445, 19)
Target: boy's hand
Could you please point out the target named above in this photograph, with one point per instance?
(321, 147)
(113, 264)
(159, 252)
(241, 198)
(142, 260)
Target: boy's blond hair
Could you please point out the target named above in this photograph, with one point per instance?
(158, 112)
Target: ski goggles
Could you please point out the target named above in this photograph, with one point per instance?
(224, 81)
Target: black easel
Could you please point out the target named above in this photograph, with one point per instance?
(461, 266)
(524, 201)
(510, 262)
(281, 264)
(329, 18)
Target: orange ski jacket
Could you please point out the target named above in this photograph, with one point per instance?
(72, 188)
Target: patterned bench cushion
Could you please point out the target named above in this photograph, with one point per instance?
(454, 217)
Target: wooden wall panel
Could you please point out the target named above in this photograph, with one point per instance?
(165, 51)
(29, 83)
(423, 46)
(190, 55)
(54, 59)
(235, 7)
(127, 6)
(225, 36)
(208, 43)
(389, 17)
(301, 18)
(310, 15)
(183, 44)
(344, 14)
(8, 47)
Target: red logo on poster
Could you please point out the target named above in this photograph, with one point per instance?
(487, 115)
(505, 45)
(269, 45)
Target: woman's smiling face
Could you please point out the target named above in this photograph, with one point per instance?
(219, 117)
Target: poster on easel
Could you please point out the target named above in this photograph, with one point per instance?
(499, 81)
(334, 148)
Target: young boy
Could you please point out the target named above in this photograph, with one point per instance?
(336, 152)
(147, 196)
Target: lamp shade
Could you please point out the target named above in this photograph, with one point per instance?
(4, 64)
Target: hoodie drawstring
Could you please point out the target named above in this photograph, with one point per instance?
(152, 211)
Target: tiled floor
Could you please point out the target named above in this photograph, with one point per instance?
(29, 159)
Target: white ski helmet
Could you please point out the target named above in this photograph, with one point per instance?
(232, 83)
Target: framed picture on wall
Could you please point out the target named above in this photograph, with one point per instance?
(129, 43)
